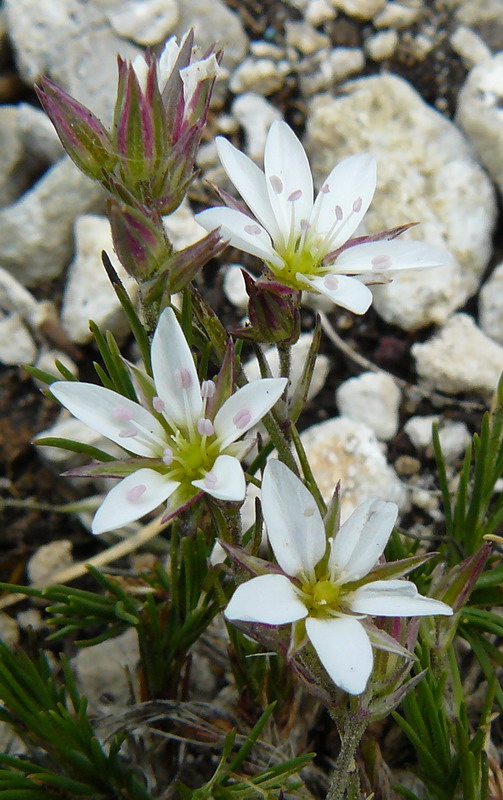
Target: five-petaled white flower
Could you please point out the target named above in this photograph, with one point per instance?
(326, 585)
(306, 244)
(185, 444)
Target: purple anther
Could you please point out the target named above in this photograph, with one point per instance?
(242, 418)
(331, 282)
(136, 492)
(276, 183)
(325, 188)
(253, 230)
(304, 225)
(295, 195)
(338, 213)
(357, 205)
(205, 426)
(167, 456)
(123, 414)
(159, 405)
(208, 389)
(381, 262)
(128, 433)
(183, 378)
(210, 480)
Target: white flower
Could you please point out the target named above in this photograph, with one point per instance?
(301, 240)
(323, 582)
(185, 445)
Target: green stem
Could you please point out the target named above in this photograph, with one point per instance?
(345, 780)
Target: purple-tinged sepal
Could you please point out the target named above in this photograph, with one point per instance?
(273, 311)
(139, 240)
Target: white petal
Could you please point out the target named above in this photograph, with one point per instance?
(225, 481)
(288, 178)
(270, 599)
(132, 498)
(172, 363)
(350, 185)
(346, 292)
(243, 409)
(112, 415)
(249, 180)
(294, 524)
(361, 540)
(390, 257)
(235, 227)
(395, 598)
(344, 649)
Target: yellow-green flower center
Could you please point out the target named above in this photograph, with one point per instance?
(321, 597)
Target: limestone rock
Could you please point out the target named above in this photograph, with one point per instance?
(460, 358)
(256, 116)
(454, 436)
(48, 560)
(145, 22)
(345, 450)
(491, 305)
(372, 398)
(104, 672)
(382, 45)
(262, 75)
(469, 46)
(16, 343)
(361, 9)
(427, 173)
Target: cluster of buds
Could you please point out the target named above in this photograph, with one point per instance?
(146, 162)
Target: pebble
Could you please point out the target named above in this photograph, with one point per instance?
(305, 38)
(427, 172)
(345, 450)
(479, 114)
(382, 45)
(88, 292)
(454, 436)
(255, 114)
(460, 358)
(9, 630)
(407, 466)
(491, 305)
(361, 9)
(299, 355)
(48, 560)
(16, 343)
(104, 672)
(262, 75)
(145, 22)
(182, 228)
(469, 46)
(486, 17)
(234, 286)
(372, 398)
(317, 12)
(324, 70)
(36, 232)
(399, 15)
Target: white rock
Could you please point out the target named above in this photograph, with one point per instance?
(261, 49)
(38, 134)
(361, 9)
(48, 560)
(319, 11)
(324, 69)
(234, 286)
(262, 75)
(480, 114)
(256, 116)
(299, 355)
(88, 292)
(45, 361)
(16, 343)
(382, 45)
(345, 450)
(144, 21)
(9, 630)
(454, 436)
(491, 305)
(36, 232)
(104, 672)
(15, 297)
(469, 46)
(182, 228)
(460, 358)
(399, 15)
(372, 398)
(427, 173)
(305, 38)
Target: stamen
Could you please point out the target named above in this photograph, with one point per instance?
(276, 183)
(183, 378)
(205, 426)
(331, 282)
(242, 418)
(208, 389)
(357, 205)
(295, 195)
(381, 262)
(128, 433)
(210, 480)
(159, 405)
(253, 230)
(338, 213)
(304, 225)
(167, 456)
(325, 188)
(122, 413)
(136, 492)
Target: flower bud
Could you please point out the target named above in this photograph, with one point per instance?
(273, 311)
(139, 240)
